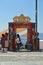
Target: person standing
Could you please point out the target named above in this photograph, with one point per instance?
(3, 42)
(17, 41)
(6, 42)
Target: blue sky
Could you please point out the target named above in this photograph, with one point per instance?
(11, 8)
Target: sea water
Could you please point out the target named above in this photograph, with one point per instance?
(24, 39)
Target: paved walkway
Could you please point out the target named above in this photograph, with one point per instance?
(21, 58)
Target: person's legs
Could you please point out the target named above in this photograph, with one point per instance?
(18, 46)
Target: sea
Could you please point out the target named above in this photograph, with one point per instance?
(24, 39)
(41, 36)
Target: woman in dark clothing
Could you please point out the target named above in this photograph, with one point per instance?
(18, 41)
(3, 41)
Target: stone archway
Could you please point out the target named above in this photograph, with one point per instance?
(22, 22)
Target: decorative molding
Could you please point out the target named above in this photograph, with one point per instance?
(21, 19)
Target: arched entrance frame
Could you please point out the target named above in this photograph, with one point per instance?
(29, 32)
(28, 26)
(22, 22)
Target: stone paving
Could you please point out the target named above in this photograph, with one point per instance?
(21, 58)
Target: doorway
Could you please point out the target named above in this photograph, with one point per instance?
(23, 34)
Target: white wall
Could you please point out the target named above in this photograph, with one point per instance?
(41, 44)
